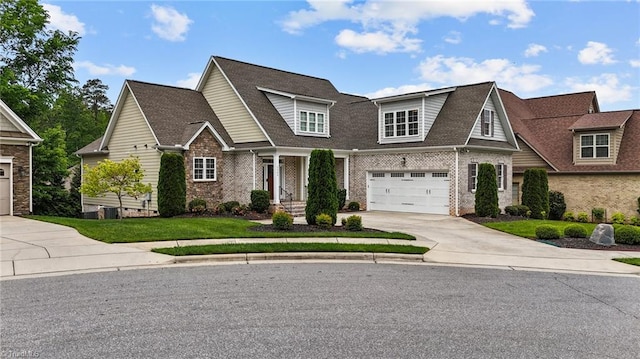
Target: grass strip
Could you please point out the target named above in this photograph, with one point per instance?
(527, 228)
(131, 230)
(633, 261)
(289, 247)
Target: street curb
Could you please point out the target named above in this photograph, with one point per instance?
(254, 257)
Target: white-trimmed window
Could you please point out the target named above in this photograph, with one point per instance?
(312, 122)
(204, 168)
(401, 123)
(500, 174)
(594, 145)
(487, 123)
(473, 176)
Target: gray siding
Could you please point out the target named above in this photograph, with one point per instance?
(6, 125)
(432, 107)
(284, 106)
(498, 129)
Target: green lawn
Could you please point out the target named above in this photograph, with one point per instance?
(290, 247)
(164, 229)
(527, 228)
(634, 261)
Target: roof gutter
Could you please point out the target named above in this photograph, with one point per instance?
(175, 147)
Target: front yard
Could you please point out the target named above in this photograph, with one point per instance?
(132, 230)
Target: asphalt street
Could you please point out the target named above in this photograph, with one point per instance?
(336, 310)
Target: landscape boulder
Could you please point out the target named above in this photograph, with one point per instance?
(603, 235)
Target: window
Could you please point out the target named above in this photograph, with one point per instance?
(397, 175)
(439, 175)
(418, 174)
(500, 173)
(312, 122)
(377, 174)
(594, 146)
(401, 123)
(501, 176)
(487, 123)
(473, 176)
(204, 169)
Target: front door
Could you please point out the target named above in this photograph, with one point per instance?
(268, 175)
(5, 189)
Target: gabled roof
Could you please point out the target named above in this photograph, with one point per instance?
(92, 149)
(551, 136)
(21, 131)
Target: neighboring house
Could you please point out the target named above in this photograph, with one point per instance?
(251, 127)
(592, 157)
(16, 170)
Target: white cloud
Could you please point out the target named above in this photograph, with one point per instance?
(392, 21)
(64, 22)
(391, 91)
(634, 63)
(453, 37)
(534, 50)
(191, 81)
(596, 53)
(107, 69)
(607, 86)
(378, 41)
(169, 24)
(453, 71)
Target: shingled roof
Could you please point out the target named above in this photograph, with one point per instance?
(551, 136)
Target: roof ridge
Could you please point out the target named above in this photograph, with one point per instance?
(162, 85)
(559, 95)
(271, 68)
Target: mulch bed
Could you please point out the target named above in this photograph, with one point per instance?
(578, 243)
(306, 228)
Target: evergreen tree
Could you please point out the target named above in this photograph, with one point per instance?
(172, 185)
(535, 192)
(486, 203)
(323, 186)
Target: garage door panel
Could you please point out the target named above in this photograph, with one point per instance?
(422, 192)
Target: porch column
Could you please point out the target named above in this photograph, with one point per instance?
(307, 160)
(346, 174)
(301, 178)
(276, 178)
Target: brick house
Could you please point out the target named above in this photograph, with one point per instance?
(16, 143)
(249, 127)
(592, 157)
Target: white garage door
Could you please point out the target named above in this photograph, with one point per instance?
(420, 192)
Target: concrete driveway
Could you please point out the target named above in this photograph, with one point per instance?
(29, 247)
(34, 247)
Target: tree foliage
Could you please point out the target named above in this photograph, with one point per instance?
(557, 205)
(535, 192)
(120, 178)
(322, 191)
(486, 200)
(94, 95)
(172, 185)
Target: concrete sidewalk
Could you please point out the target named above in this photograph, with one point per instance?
(29, 247)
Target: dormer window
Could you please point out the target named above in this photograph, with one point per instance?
(311, 122)
(487, 122)
(401, 123)
(594, 145)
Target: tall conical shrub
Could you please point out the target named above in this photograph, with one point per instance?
(486, 204)
(535, 192)
(172, 186)
(323, 186)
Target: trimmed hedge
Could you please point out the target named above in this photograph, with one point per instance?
(260, 200)
(517, 210)
(557, 205)
(197, 205)
(546, 231)
(627, 235)
(575, 231)
(535, 192)
(354, 206)
(172, 185)
(324, 221)
(323, 188)
(353, 223)
(282, 220)
(486, 198)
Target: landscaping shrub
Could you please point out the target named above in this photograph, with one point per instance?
(354, 223)
(219, 209)
(511, 210)
(260, 200)
(172, 185)
(535, 191)
(282, 220)
(583, 217)
(239, 210)
(618, 218)
(323, 188)
(197, 205)
(546, 231)
(638, 210)
(228, 206)
(516, 210)
(353, 206)
(343, 221)
(598, 214)
(575, 231)
(634, 221)
(522, 210)
(324, 221)
(568, 217)
(627, 235)
(342, 198)
(486, 197)
(557, 205)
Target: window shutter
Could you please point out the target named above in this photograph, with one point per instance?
(504, 177)
(493, 120)
(469, 178)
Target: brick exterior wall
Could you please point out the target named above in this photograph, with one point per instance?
(613, 192)
(21, 190)
(205, 145)
(361, 164)
(238, 181)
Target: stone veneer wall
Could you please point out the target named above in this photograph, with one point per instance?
(428, 161)
(20, 154)
(205, 145)
(583, 192)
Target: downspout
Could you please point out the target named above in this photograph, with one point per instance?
(254, 169)
(455, 149)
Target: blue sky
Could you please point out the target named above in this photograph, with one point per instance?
(372, 48)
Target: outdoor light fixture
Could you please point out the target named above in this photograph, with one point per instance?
(404, 161)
